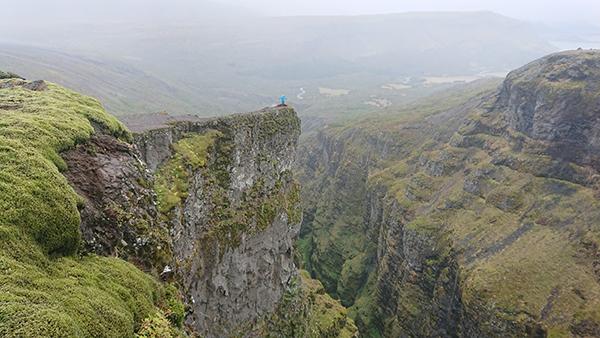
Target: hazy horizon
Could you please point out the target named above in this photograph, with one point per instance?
(225, 55)
(576, 12)
(581, 11)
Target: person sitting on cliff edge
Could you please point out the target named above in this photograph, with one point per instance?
(282, 100)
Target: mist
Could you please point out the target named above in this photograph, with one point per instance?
(329, 57)
(534, 10)
(36, 11)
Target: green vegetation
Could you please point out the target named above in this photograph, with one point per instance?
(307, 311)
(45, 289)
(8, 75)
(34, 196)
(73, 297)
(455, 206)
(172, 179)
(257, 211)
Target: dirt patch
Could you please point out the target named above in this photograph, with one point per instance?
(38, 85)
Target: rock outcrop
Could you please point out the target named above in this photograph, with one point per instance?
(118, 209)
(234, 224)
(555, 99)
(474, 220)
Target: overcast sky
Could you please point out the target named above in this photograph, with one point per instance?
(27, 12)
(531, 10)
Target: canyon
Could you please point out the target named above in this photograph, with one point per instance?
(472, 213)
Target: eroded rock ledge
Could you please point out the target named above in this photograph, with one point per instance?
(233, 210)
(211, 205)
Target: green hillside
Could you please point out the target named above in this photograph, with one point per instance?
(46, 288)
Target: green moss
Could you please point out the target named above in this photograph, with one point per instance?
(34, 195)
(172, 178)
(71, 297)
(8, 75)
(258, 210)
(172, 307)
(194, 148)
(46, 291)
(292, 205)
(158, 326)
(424, 225)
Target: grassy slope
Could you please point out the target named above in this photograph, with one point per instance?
(45, 288)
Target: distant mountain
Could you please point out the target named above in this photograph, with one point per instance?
(247, 63)
(122, 88)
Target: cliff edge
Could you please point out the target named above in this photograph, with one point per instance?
(187, 229)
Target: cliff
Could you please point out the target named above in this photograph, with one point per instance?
(184, 229)
(474, 218)
(226, 188)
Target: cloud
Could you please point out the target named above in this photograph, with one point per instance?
(531, 10)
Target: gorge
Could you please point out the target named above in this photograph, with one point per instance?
(470, 213)
(471, 217)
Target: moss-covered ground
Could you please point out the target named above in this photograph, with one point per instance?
(46, 289)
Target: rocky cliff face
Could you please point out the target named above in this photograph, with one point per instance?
(211, 204)
(555, 99)
(477, 219)
(118, 208)
(234, 216)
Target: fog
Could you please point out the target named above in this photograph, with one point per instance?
(531, 10)
(329, 57)
(90, 11)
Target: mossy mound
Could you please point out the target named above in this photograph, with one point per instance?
(45, 289)
(34, 195)
(8, 75)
